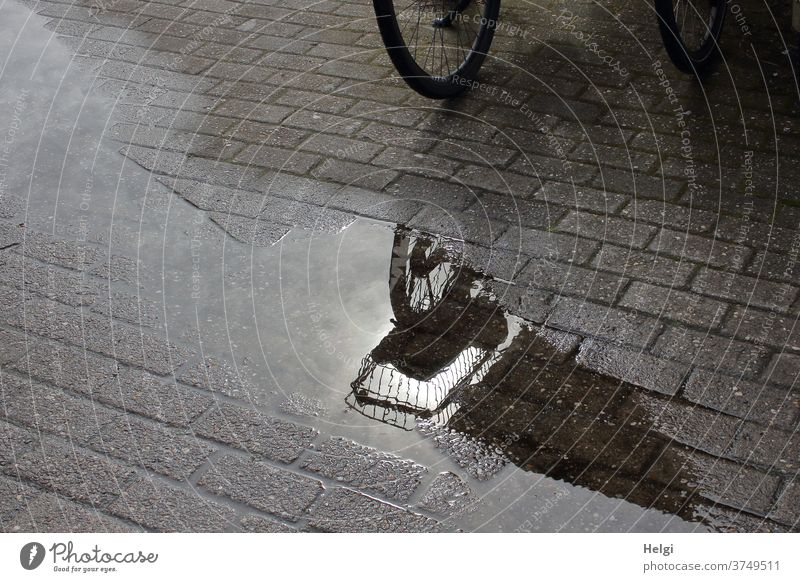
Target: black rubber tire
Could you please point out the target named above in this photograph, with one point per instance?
(693, 60)
(422, 81)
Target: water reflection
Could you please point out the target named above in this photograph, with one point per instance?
(454, 356)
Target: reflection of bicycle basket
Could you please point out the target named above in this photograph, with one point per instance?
(438, 344)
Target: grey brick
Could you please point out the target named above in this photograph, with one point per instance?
(709, 351)
(648, 267)
(689, 308)
(49, 514)
(158, 398)
(752, 325)
(458, 225)
(77, 474)
(262, 486)
(256, 432)
(671, 215)
(744, 289)
(283, 160)
(257, 524)
(259, 233)
(770, 447)
(749, 400)
(505, 182)
(607, 228)
(785, 510)
(571, 280)
(47, 281)
(448, 495)
(14, 442)
(355, 174)
(517, 211)
(49, 249)
(434, 192)
(15, 495)
(581, 197)
(343, 510)
(341, 148)
(637, 368)
(405, 160)
(775, 266)
(217, 376)
(701, 249)
(784, 369)
(523, 300)
(613, 325)
(159, 507)
(547, 245)
(366, 468)
(719, 480)
(50, 410)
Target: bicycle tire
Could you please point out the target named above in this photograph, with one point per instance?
(462, 73)
(693, 56)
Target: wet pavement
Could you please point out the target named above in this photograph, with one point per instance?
(252, 283)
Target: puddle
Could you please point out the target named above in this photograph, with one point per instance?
(385, 336)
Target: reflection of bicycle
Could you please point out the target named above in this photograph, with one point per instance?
(446, 335)
(439, 46)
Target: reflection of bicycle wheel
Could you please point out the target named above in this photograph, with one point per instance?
(446, 333)
(437, 46)
(690, 30)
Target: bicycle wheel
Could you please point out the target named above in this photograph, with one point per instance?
(437, 46)
(690, 30)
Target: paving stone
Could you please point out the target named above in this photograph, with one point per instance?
(771, 447)
(77, 474)
(479, 460)
(49, 249)
(14, 442)
(688, 308)
(607, 228)
(784, 369)
(10, 235)
(261, 486)
(259, 233)
(752, 325)
(642, 265)
(343, 510)
(47, 281)
(15, 495)
(158, 506)
(458, 225)
(709, 351)
(785, 510)
(746, 290)
(255, 432)
(701, 249)
(572, 280)
(637, 368)
(49, 514)
(581, 197)
(718, 480)
(680, 218)
(366, 468)
(217, 376)
(50, 410)
(448, 495)
(129, 308)
(613, 325)
(257, 524)
(547, 245)
(753, 401)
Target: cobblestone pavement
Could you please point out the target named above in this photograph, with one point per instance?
(648, 226)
